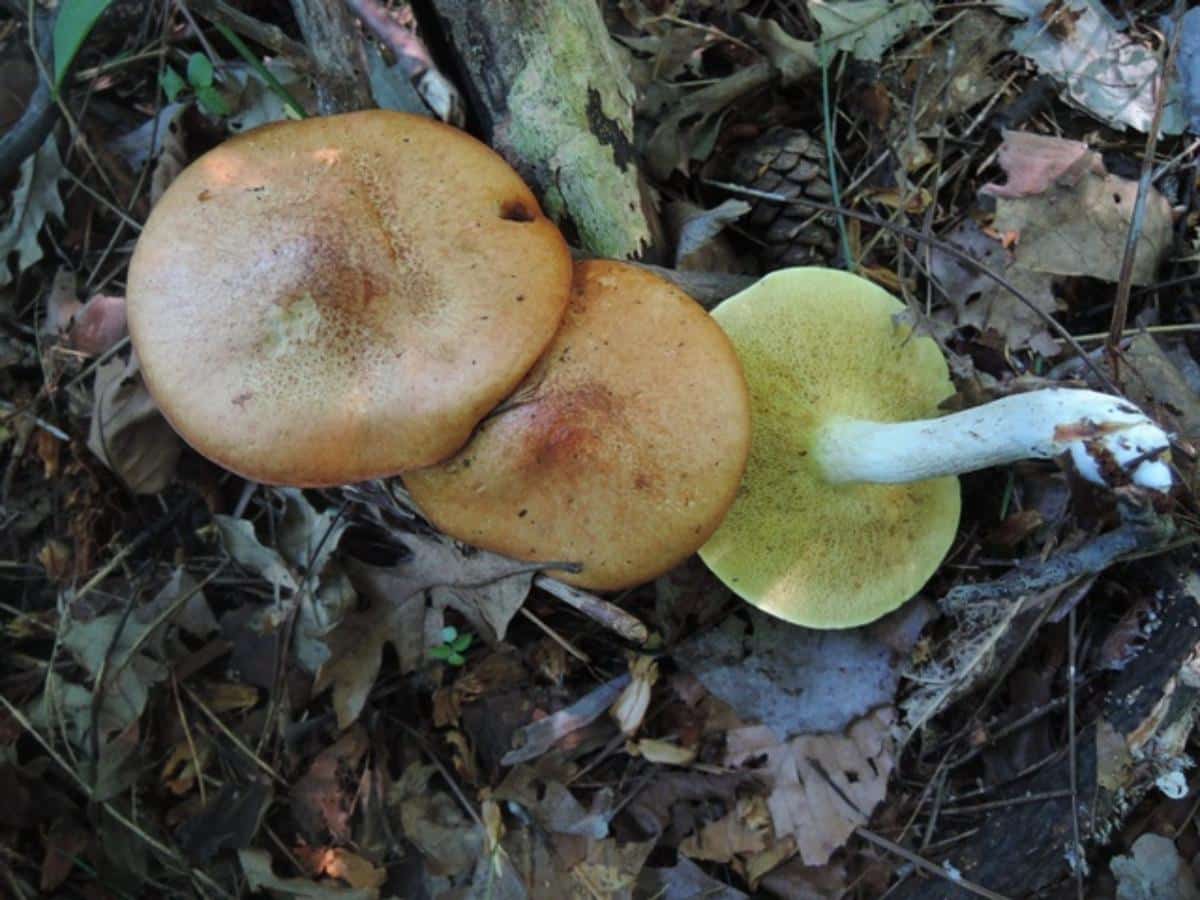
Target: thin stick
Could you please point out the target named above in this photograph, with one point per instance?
(187, 734)
(233, 738)
(270, 36)
(556, 637)
(1002, 804)
(1076, 858)
(612, 617)
(1125, 278)
(925, 865)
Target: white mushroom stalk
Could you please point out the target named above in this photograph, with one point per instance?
(1109, 439)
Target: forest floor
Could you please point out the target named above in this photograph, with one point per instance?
(212, 688)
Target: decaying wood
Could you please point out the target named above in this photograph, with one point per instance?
(551, 94)
(267, 34)
(337, 53)
(1140, 736)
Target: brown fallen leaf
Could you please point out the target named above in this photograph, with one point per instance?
(127, 432)
(821, 786)
(630, 708)
(980, 302)
(340, 863)
(551, 804)
(256, 865)
(538, 737)
(449, 842)
(324, 799)
(685, 879)
(743, 831)
(1035, 163)
(487, 589)
(610, 868)
(1073, 216)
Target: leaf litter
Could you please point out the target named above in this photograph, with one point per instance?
(272, 651)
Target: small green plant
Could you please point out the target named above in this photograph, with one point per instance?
(200, 80)
(453, 646)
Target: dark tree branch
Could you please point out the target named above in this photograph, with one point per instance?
(337, 53)
(31, 130)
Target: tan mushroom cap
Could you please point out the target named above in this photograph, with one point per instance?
(817, 343)
(335, 299)
(621, 451)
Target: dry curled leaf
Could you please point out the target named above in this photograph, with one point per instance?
(1078, 223)
(256, 865)
(324, 798)
(487, 589)
(821, 786)
(631, 706)
(34, 198)
(981, 302)
(1102, 67)
(127, 432)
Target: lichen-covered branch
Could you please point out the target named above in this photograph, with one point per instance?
(552, 95)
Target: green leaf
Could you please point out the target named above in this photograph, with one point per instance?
(449, 633)
(442, 652)
(75, 21)
(291, 106)
(456, 659)
(172, 83)
(212, 102)
(462, 642)
(199, 71)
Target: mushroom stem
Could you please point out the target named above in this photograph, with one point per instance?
(1103, 434)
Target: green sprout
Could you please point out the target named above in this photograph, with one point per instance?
(453, 646)
(200, 80)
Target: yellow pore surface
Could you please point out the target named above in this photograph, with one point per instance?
(816, 345)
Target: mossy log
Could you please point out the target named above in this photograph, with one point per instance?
(550, 92)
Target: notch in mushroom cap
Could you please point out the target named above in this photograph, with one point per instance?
(848, 505)
(330, 300)
(621, 450)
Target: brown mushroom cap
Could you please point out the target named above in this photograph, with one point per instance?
(340, 298)
(621, 450)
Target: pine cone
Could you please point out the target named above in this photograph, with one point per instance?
(791, 163)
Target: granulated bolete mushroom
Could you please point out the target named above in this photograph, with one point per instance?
(340, 298)
(620, 451)
(847, 506)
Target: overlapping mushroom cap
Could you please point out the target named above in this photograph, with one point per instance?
(621, 450)
(330, 300)
(819, 345)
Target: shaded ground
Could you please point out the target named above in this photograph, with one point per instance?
(208, 687)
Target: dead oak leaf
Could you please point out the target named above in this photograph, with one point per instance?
(981, 302)
(325, 796)
(487, 589)
(1073, 216)
(744, 830)
(821, 786)
(127, 432)
(449, 842)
